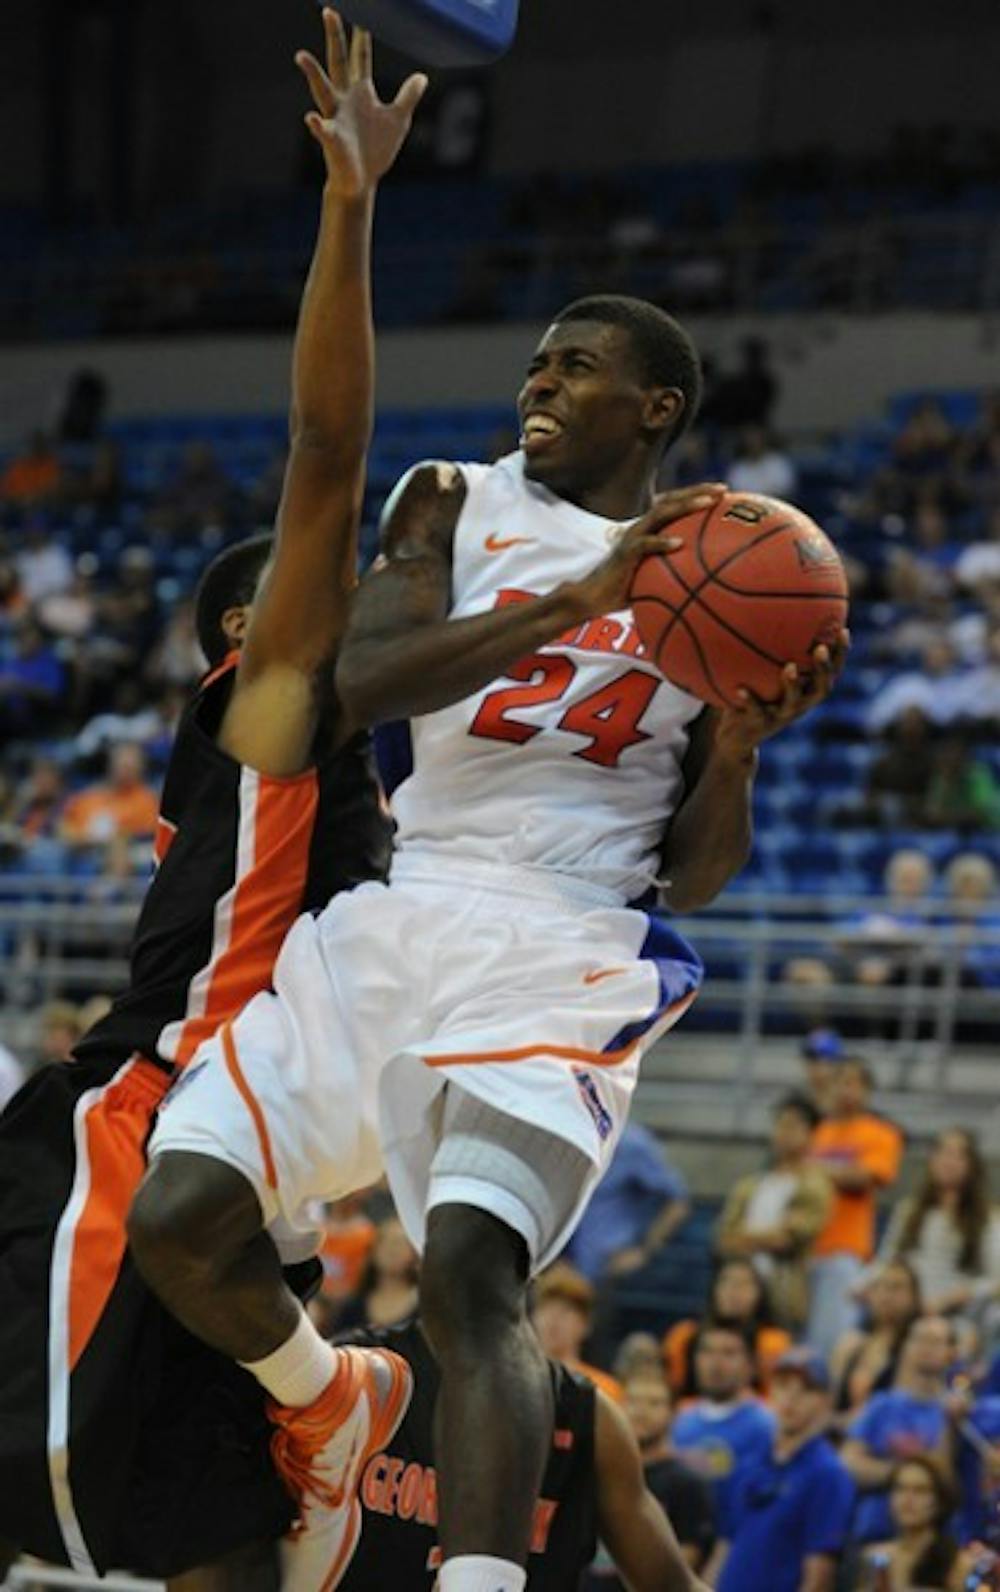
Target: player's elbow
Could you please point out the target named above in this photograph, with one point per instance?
(363, 688)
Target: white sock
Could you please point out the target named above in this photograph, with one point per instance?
(299, 1370)
(476, 1573)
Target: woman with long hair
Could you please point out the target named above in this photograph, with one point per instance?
(738, 1294)
(949, 1230)
(922, 1553)
(864, 1360)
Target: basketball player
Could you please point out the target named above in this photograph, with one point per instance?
(119, 1441)
(593, 1486)
(480, 1021)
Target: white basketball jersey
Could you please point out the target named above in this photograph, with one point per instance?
(571, 760)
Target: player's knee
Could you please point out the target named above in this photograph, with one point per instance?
(189, 1215)
(473, 1278)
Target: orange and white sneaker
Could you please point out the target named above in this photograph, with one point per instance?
(320, 1453)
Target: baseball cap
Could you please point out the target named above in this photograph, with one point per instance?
(823, 1044)
(806, 1363)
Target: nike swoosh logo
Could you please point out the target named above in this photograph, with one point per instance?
(604, 972)
(497, 544)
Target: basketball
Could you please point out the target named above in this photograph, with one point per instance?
(757, 585)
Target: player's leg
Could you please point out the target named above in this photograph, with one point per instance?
(219, 1174)
(196, 1232)
(500, 1192)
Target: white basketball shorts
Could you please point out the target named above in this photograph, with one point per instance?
(536, 997)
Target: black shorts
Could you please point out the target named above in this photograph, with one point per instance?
(123, 1440)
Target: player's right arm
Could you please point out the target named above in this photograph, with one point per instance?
(633, 1526)
(402, 656)
(301, 606)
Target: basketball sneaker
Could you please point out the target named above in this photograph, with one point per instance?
(320, 1453)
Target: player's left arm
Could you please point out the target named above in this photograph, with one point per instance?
(301, 608)
(633, 1526)
(711, 833)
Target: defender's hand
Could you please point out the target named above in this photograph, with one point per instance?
(606, 589)
(740, 730)
(359, 135)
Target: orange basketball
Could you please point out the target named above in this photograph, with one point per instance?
(756, 585)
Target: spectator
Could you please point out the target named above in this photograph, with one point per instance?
(880, 946)
(72, 613)
(774, 1216)
(177, 659)
(792, 1512)
(83, 408)
(931, 688)
(747, 396)
(33, 477)
(738, 1296)
(38, 804)
(44, 567)
(976, 1426)
(860, 1152)
(125, 804)
(949, 1230)
(685, 1498)
(865, 1359)
(725, 1433)
(761, 466)
(59, 1029)
(899, 777)
(639, 1352)
(963, 792)
(974, 911)
(921, 1551)
(131, 717)
(388, 1289)
(978, 692)
(637, 1207)
(563, 1313)
(910, 1418)
(32, 680)
(822, 1051)
(979, 563)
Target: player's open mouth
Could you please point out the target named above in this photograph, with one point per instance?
(540, 431)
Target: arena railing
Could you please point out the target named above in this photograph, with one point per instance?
(934, 1008)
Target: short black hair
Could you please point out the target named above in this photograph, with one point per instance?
(665, 353)
(801, 1105)
(744, 1330)
(230, 581)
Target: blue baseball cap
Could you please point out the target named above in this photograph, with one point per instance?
(807, 1363)
(823, 1044)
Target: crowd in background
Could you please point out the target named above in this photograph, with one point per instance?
(836, 1358)
(835, 1409)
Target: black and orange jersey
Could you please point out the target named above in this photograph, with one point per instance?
(238, 856)
(398, 1490)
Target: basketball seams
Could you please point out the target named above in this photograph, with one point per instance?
(695, 640)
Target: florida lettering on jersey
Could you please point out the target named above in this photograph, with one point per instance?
(572, 760)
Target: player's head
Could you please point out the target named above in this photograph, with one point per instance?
(614, 379)
(225, 596)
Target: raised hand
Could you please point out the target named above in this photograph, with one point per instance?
(741, 729)
(360, 136)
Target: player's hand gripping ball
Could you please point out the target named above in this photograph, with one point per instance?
(755, 586)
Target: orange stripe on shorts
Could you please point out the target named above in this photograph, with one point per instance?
(250, 1101)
